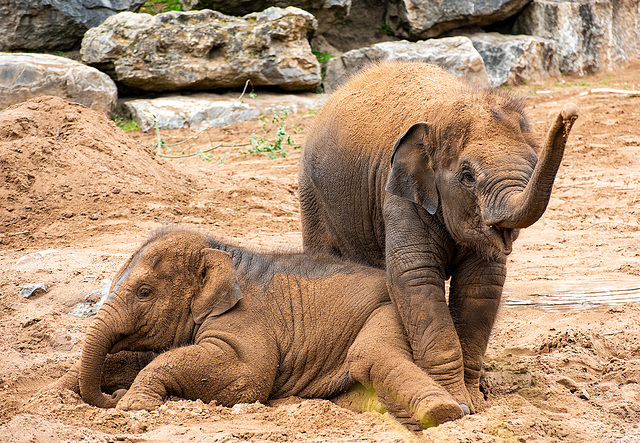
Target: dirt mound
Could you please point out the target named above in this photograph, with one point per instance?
(61, 159)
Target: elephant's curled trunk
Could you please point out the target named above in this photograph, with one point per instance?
(98, 342)
(529, 206)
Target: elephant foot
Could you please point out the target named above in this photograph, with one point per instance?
(129, 401)
(430, 412)
(433, 412)
(477, 398)
(461, 396)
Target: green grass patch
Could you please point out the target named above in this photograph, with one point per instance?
(386, 29)
(564, 84)
(126, 124)
(154, 7)
(322, 57)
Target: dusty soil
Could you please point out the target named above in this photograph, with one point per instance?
(78, 195)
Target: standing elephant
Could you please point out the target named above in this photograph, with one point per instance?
(409, 169)
(236, 326)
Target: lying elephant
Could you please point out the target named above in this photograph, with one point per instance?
(237, 326)
(411, 170)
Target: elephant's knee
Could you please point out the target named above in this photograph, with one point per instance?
(371, 363)
(360, 365)
(380, 346)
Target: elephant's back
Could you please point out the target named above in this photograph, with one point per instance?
(371, 110)
(327, 305)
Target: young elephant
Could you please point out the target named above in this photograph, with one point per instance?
(237, 326)
(407, 168)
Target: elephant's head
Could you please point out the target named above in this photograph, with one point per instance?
(480, 163)
(158, 299)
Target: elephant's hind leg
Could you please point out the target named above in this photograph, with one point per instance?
(381, 358)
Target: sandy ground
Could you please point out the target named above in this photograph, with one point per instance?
(78, 195)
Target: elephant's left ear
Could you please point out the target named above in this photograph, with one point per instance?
(412, 174)
(220, 290)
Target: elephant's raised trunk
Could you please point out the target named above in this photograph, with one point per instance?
(529, 206)
(99, 340)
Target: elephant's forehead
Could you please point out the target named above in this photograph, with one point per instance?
(493, 150)
(159, 260)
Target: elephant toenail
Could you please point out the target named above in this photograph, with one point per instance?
(465, 409)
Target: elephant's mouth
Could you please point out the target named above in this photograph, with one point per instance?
(502, 238)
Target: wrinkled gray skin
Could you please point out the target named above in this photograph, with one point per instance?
(410, 170)
(236, 326)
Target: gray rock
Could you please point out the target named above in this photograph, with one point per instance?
(420, 19)
(327, 12)
(54, 24)
(205, 50)
(516, 59)
(204, 110)
(28, 290)
(93, 301)
(592, 35)
(23, 76)
(455, 55)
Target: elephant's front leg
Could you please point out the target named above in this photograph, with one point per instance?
(206, 371)
(474, 298)
(416, 274)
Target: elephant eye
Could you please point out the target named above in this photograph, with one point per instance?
(144, 293)
(467, 178)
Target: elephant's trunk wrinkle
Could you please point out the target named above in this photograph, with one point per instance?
(93, 356)
(103, 323)
(501, 205)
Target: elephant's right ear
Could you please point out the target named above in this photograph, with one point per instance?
(412, 174)
(220, 290)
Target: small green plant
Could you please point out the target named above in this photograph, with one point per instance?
(607, 78)
(126, 124)
(564, 84)
(277, 147)
(260, 143)
(159, 6)
(160, 145)
(322, 57)
(252, 94)
(386, 29)
(61, 54)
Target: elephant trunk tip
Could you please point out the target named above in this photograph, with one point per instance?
(570, 111)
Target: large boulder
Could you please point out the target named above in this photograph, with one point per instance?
(54, 24)
(205, 110)
(516, 59)
(23, 76)
(592, 35)
(420, 19)
(455, 55)
(327, 12)
(205, 50)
